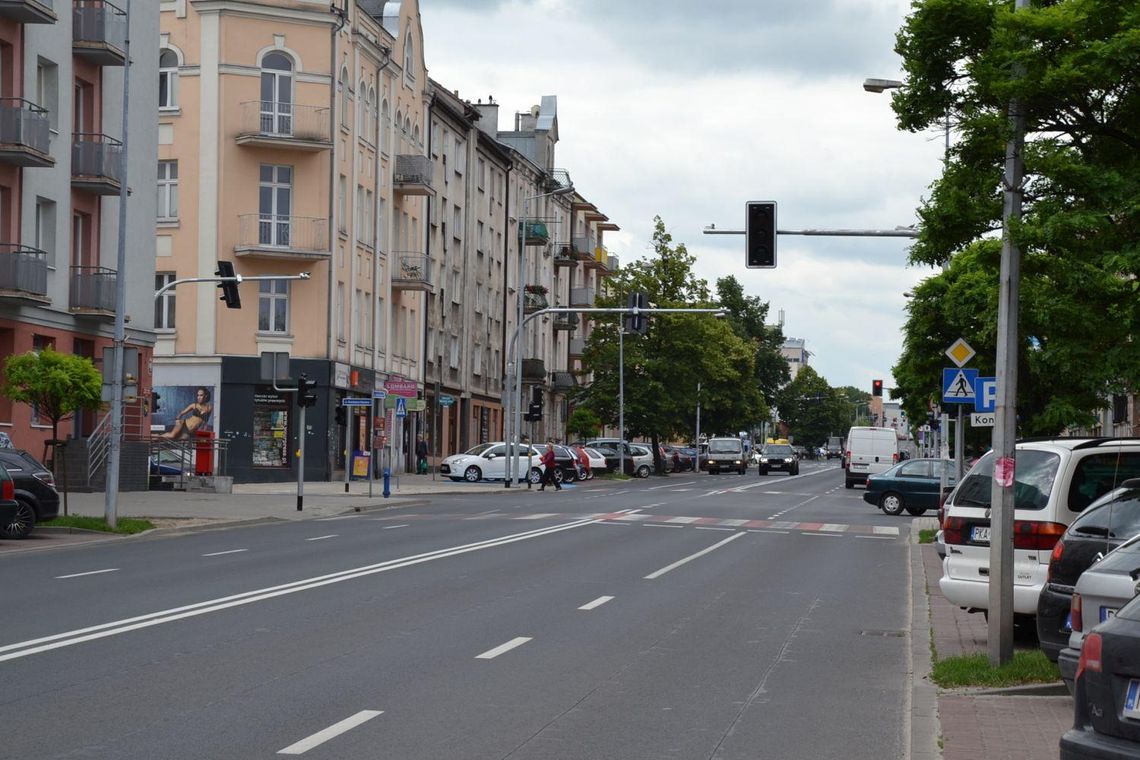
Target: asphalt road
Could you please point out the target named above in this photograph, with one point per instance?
(684, 617)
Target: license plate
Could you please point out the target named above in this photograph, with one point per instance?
(1132, 700)
(1106, 613)
(980, 534)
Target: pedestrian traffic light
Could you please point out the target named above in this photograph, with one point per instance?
(341, 415)
(305, 396)
(229, 288)
(876, 387)
(534, 408)
(760, 234)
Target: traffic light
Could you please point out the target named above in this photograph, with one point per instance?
(305, 395)
(637, 323)
(760, 234)
(341, 416)
(230, 292)
(534, 409)
(876, 387)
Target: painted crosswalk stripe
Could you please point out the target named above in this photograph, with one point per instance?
(331, 732)
(883, 530)
(833, 528)
(596, 603)
(540, 516)
(491, 654)
(735, 523)
(682, 520)
(634, 517)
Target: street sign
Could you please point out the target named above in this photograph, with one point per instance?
(982, 420)
(958, 385)
(349, 401)
(401, 407)
(985, 394)
(960, 352)
(446, 400)
(379, 395)
(416, 405)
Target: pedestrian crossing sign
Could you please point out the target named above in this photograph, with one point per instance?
(958, 385)
(402, 407)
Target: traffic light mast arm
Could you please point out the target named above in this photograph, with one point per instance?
(903, 232)
(236, 279)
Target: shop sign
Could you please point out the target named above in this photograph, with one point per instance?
(405, 388)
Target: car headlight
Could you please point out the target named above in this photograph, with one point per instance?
(789, 461)
(737, 462)
(764, 460)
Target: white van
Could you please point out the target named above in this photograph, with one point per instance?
(870, 450)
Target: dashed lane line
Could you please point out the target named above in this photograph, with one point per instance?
(514, 643)
(684, 560)
(229, 551)
(89, 572)
(333, 731)
(322, 538)
(596, 603)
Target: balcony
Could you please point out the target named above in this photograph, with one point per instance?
(99, 32)
(577, 346)
(582, 249)
(534, 233)
(563, 381)
(96, 164)
(534, 299)
(413, 176)
(410, 272)
(23, 273)
(564, 255)
(93, 291)
(25, 134)
(534, 370)
(28, 11)
(265, 124)
(282, 238)
(565, 322)
(582, 297)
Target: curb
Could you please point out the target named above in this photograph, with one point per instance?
(925, 726)
(1054, 689)
(82, 531)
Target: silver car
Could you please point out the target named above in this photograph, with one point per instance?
(642, 460)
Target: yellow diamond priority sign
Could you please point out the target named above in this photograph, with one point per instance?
(960, 352)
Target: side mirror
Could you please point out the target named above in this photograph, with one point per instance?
(490, 456)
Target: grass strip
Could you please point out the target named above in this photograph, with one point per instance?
(125, 525)
(613, 476)
(1026, 667)
(926, 535)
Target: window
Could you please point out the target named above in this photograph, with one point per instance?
(384, 127)
(164, 304)
(47, 90)
(372, 120)
(167, 79)
(45, 228)
(275, 204)
(273, 306)
(361, 110)
(409, 59)
(342, 204)
(167, 190)
(277, 94)
(340, 304)
(344, 99)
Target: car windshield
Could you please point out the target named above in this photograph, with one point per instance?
(1033, 480)
(476, 451)
(724, 447)
(1118, 518)
(778, 451)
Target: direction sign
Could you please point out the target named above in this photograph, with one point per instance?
(401, 407)
(982, 420)
(379, 395)
(985, 394)
(958, 385)
(446, 400)
(960, 352)
(350, 401)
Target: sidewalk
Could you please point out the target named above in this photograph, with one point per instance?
(1015, 724)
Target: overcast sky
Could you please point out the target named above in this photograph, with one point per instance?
(689, 109)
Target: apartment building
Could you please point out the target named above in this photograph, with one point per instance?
(292, 139)
(61, 171)
(795, 353)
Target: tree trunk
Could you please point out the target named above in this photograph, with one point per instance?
(658, 465)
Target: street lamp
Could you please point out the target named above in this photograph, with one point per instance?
(882, 85)
(514, 390)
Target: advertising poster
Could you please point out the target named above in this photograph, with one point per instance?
(178, 411)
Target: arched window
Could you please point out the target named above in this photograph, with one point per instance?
(344, 88)
(361, 110)
(277, 94)
(399, 119)
(372, 114)
(417, 134)
(167, 79)
(384, 119)
(407, 126)
(409, 59)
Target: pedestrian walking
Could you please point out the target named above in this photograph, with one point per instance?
(421, 455)
(548, 469)
(584, 462)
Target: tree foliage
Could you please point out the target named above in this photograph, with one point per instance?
(57, 384)
(583, 423)
(813, 410)
(1080, 234)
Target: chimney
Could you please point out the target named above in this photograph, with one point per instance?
(488, 117)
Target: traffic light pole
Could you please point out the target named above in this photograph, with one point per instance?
(301, 460)
(235, 279)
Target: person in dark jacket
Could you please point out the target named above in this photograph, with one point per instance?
(549, 468)
(421, 455)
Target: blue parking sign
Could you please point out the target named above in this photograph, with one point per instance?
(958, 385)
(985, 395)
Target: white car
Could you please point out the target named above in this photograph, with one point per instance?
(488, 461)
(642, 459)
(597, 461)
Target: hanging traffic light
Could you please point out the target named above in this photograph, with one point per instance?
(305, 395)
(230, 293)
(876, 387)
(760, 234)
(637, 323)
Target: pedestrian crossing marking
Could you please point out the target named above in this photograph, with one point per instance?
(883, 530)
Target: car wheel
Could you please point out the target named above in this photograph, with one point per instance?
(916, 511)
(472, 474)
(892, 503)
(535, 475)
(794, 471)
(762, 471)
(643, 471)
(22, 523)
(849, 483)
(559, 475)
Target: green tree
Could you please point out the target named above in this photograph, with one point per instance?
(747, 315)
(812, 409)
(583, 423)
(1080, 312)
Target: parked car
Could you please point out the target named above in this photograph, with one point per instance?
(642, 460)
(870, 450)
(801, 453)
(597, 461)
(725, 454)
(8, 504)
(34, 493)
(778, 456)
(610, 452)
(1104, 525)
(1100, 593)
(912, 485)
(489, 461)
(1055, 480)
(566, 460)
(1106, 696)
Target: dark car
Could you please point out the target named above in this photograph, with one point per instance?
(912, 486)
(1104, 525)
(1106, 722)
(610, 452)
(9, 507)
(566, 460)
(34, 492)
(779, 456)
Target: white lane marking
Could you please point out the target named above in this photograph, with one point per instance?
(735, 523)
(833, 528)
(596, 603)
(651, 506)
(658, 573)
(878, 538)
(393, 527)
(341, 517)
(822, 535)
(671, 485)
(682, 490)
(540, 516)
(219, 554)
(709, 527)
(659, 525)
(491, 654)
(118, 627)
(683, 520)
(784, 525)
(634, 518)
(322, 538)
(761, 530)
(883, 530)
(91, 572)
(331, 732)
(615, 523)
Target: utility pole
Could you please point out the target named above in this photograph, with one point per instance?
(621, 396)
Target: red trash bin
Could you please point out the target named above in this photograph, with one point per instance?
(203, 452)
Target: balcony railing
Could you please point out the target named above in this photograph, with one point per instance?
(25, 133)
(534, 300)
(564, 381)
(96, 163)
(28, 11)
(577, 346)
(534, 233)
(410, 271)
(270, 124)
(93, 290)
(564, 255)
(99, 32)
(534, 369)
(274, 236)
(413, 175)
(566, 322)
(583, 297)
(23, 272)
(583, 249)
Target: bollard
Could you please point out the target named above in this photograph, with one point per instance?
(387, 475)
